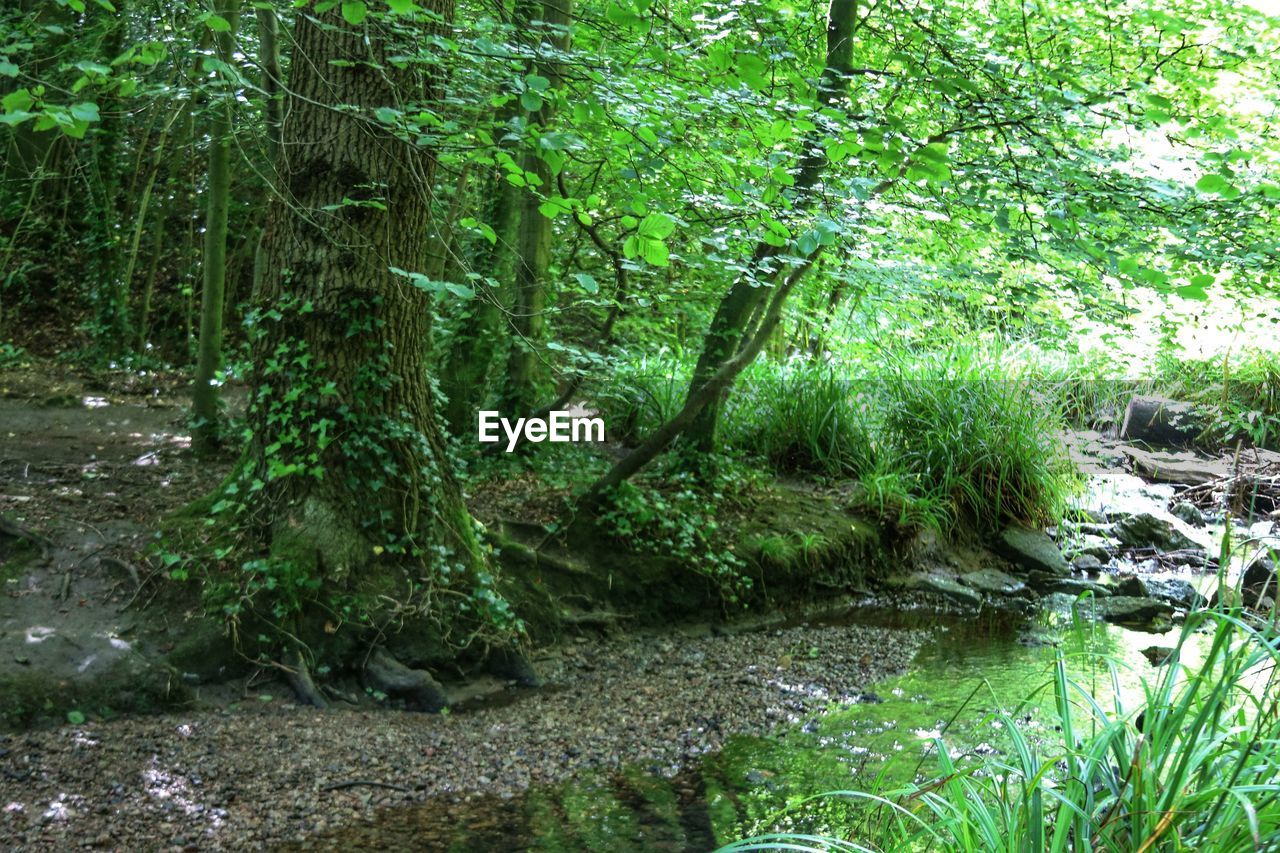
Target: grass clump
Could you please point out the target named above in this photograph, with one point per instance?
(1191, 765)
(802, 418)
(934, 440)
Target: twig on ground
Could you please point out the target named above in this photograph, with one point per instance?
(369, 783)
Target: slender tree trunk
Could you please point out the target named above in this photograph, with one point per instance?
(526, 372)
(726, 333)
(661, 438)
(214, 266)
(464, 374)
(105, 217)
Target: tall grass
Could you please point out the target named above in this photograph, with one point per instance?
(980, 437)
(803, 417)
(934, 440)
(1193, 765)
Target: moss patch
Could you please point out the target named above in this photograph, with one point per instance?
(131, 685)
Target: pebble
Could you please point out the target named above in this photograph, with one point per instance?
(248, 779)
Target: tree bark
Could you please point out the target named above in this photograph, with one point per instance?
(526, 372)
(345, 443)
(204, 396)
(701, 397)
(727, 332)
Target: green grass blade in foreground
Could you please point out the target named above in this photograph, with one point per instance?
(1192, 765)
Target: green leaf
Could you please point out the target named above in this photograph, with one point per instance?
(537, 83)
(654, 252)
(7, 68)
(354, 12)
(217, 23)
(588, 282)
(657, 226)
(402, 7)
(85, 111)
(75, 718)
(1212, 183)
(17, 100)
(531, 101)
(1203, 280)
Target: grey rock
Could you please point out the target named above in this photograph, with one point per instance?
(1086, 563)
(1135, 612)
(1188, 512)
(1079, 586)
(1175, 591)
(1144, 530)
(1031, 550)
(1259, 578)
(1130, 585)
(992, 582)
(944, 585)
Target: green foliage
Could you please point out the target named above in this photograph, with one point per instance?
(934, 440)
(803, 418)
(985, 441)
(12, 356)
(678, 521)
(1189, 767)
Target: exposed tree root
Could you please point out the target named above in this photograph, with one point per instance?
(416, 687)
(299, 677)
(16, 531)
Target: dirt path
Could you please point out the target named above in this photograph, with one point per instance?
(93, 470)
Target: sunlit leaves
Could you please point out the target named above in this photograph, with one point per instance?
(435, 286)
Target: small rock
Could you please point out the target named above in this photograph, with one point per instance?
(1131, 585)
(1144, 530)
(1143, 614)
(1188, 512)
(1032, 550)
(1086, 563)
(1175, 591)
(1078, 586)
(992, 582)
(1158, 655)
(943, 585)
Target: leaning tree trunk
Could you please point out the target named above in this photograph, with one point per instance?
(357, 493)
(729, 331)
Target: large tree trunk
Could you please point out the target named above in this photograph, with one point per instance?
(728, 332)
(356, 488)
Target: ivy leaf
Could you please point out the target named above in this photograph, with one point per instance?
(354, 12)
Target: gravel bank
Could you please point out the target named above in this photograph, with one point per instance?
(256, 774)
